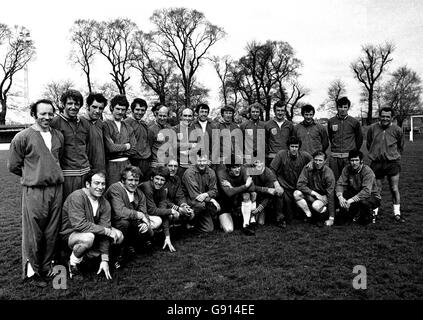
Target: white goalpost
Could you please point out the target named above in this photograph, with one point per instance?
(411, 126)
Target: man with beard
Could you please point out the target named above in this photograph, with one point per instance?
(254, 134)
(385, 142)
(313, 135)
(157, 204)
(86, 226)
(287, 165)
(200, 183)
(96, 103)
(34, 156)
(141, 158)
(278, 130)
(129, 213)
(344, 134)
(357, 191)
(316, 189)
(119, 139)
(76, 132)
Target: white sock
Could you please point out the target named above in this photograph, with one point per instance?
(375, 211)
(29, 271)
(246, 212)
(74, 260)
(253, 207)
(303, 206)
(324, 209)
(396, 209)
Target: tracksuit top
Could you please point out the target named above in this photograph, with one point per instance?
(361, 182)
(96, 153)
(142, 147)
(197, 182)
(385, 144)
(313, 136)
(122, 208)
(114, 141)
(276, 137)
(75, 160)
(344, 135)
(30, 158)
(250, 131)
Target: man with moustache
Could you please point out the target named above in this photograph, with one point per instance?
(357, 190)
(385, 142)
(96, 103)
(143, 152)
(86, 226)
(76, 132)
(34, 156)
(119, 139)
(129, 213)
(278, 130)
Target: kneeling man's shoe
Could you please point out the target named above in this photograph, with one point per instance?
(248, 230)
(398, 218)
(281, 224)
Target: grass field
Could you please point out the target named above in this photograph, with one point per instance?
(300, 262)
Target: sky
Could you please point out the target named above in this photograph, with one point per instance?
(327, 36)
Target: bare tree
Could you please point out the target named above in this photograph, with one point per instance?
(16, 50)
(224, 67)
(336, 90)
(294, 92)
(265, 69)
(114, 39)
(54, 90)
(184, 36)
(403, 93)
(156, 71)
(369, 68)
(83, 37)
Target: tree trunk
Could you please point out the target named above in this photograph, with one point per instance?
(3, 111)
(400, 121)
(90, 89)
(370, 109)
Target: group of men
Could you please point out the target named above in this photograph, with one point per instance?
(94, 187)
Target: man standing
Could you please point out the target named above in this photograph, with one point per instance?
(254, 134)
(200, 183)
(184, 146)
(86, 227)
(204, 128)
(344, 135)
(76, 132)
(316, 188)
(356, 190)
(160, 133)
(143, 152)
(278, 130)
(96, 103)
(313, 135)
(385, 142)
(34, 156)
(287, 165)
(119, 139)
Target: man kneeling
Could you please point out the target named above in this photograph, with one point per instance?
(86, 225)
(316, 188)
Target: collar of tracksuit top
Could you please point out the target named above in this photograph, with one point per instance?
(305, 124)
(341, 118)
(77, 120)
